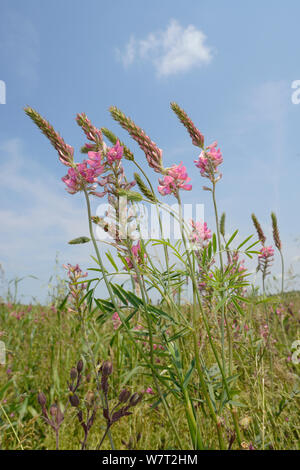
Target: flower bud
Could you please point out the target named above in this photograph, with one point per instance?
(73, 374)
(79, 366)
(106, 368)
(74, 400)
(124, 395)
(42, 399)
(88, 378)
(135, 399)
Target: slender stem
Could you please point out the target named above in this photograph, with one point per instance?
(108, 286)
(282, 272)
(10, 423)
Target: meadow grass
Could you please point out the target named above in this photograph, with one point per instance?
(44, 344)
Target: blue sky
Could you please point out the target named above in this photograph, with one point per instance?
(228, 64)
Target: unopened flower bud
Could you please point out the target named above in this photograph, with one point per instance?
(79, 366)
(73, 373)
(74, 400)
(53, 410)
(124, 395)
(106, 368)
(88, 377)
(135, 399)
(41, 399)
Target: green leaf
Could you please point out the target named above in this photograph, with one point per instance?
(112, 261)
(189, 374)
(79, 240)
(214, 242)
(244, 242)
(231, 238)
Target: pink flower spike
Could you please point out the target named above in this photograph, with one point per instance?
(208, 162)
(176, 178)
(266, 252)
(115, 153)
(200, 233)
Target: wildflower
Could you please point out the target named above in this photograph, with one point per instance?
(196, 136)
(136, 253)
(65, 151)
(92, 133)
(200, 233)
(276, 236)
(176, 178)
(266, 252)
(152, 152)
(115, 153)
(82, 176)
(260, 233)
(208, 162)
(116, 320)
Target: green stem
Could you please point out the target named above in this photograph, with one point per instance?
(110, 291)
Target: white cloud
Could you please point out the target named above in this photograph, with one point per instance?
(174, 50)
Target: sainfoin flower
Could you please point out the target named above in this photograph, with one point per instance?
(82, 175)
(136, 253)
(116, 321)
(209, 161)
(200, 234)
(115, 153)
(176, 178)
(266, 252)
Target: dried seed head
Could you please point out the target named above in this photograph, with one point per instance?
(245, 422)
(74, 400)
(73, 373)
(124, 395)
(90, 398)
(79, 366)
(42, 399)
(260, 233)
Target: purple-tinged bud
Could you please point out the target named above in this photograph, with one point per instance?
(53, 411)
(107, 368)
(88, 378)
(124, 395)
(79, 366)
(80, 416)
(135, 399)
(74, 400)
(73, 374)
(42, 399)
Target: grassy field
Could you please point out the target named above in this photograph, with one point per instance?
(144, 367)
(43, 344)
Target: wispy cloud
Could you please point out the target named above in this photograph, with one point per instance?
(37, 219)
(172, 51)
